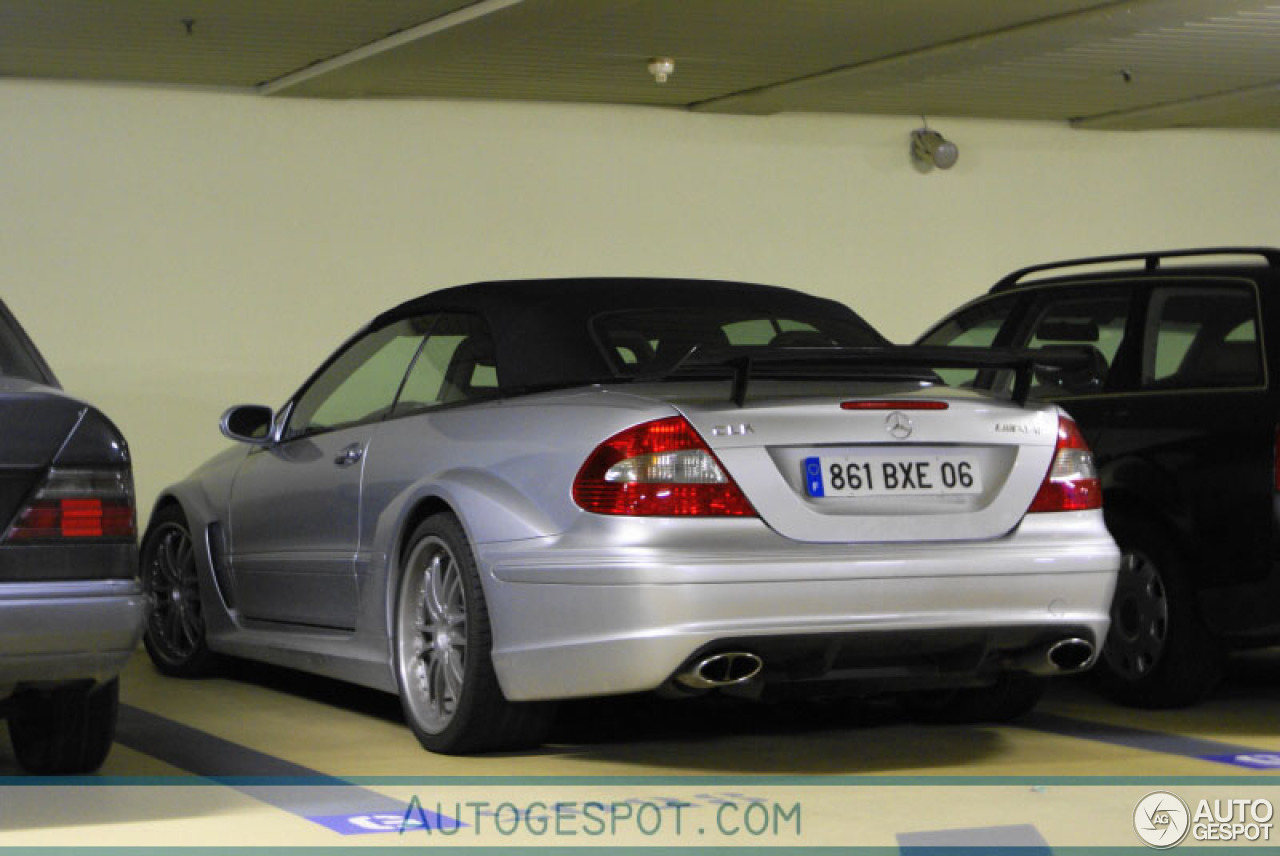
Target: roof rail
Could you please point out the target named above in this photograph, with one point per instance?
(1151, 261)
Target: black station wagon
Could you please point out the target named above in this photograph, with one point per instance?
(1178, 400)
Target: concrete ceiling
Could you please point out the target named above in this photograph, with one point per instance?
(1134, 64)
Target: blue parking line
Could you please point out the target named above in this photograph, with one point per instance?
(1183, 746)
(331, 802)
(1021, 840)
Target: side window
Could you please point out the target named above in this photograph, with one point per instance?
(15, 359)
(1201, 338)
(975, 327)
(1093, 326)
(456, 363)
(360, 385)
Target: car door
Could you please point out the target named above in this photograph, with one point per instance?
(1092, 319)
(295, 505)
(1199, 426)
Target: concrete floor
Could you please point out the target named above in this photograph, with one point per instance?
(262, 757)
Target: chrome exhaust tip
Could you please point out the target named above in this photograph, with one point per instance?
(727, 669)
(1070, 655)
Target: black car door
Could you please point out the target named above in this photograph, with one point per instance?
(1195, 435)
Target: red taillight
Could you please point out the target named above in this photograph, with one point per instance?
(893, 404)
(1072, 481)
(658, 469)
(77, 504)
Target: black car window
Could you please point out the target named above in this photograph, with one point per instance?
(1093, 325)
(16, 359)
(644, 339)
(978, 326)
(361, 383)
(456, 363)
(1201, 338)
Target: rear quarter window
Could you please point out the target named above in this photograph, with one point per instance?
(17, 358)
(975, 327)
(1200, 337)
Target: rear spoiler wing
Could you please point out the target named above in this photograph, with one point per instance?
(744, 363)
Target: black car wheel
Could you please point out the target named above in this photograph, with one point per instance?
(1158, 652)
(65, 731)
(175, 633)
(448, 688)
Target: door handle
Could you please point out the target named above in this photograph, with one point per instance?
(350, 455)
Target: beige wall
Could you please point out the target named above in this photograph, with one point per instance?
(175, 252)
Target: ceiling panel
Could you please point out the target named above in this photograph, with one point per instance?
(232, 43)
(1099, 63)
(1105, 60)
(590, 50)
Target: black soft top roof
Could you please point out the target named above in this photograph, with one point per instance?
(542, 329)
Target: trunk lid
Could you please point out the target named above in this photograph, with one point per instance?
(965, 470)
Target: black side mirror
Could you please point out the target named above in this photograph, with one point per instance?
(248, 423)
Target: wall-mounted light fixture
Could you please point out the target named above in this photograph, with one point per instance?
(662, 67)
(930, 149)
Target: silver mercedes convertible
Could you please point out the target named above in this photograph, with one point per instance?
(503, 494)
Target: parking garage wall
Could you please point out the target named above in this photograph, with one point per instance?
(174, 252)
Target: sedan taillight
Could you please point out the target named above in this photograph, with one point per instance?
(78, 505)
(658, 469)
(1072, 481)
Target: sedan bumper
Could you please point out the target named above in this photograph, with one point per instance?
(53, 632)
(572, 619)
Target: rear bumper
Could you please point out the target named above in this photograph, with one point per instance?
(575, 620)
(53, 632)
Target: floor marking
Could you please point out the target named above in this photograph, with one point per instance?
(1023, 840)
(341, 806)
(1151, 741)
(1251, 760)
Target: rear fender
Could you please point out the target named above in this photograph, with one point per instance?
(203, 503)
(489, 509)
(1132, 486)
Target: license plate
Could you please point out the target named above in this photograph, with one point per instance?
(892, 475)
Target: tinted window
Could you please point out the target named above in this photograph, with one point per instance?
(1092, 325)
(1201, 338)
(16, 360)
(456, 363)
(637, 340)
(361, 384)
(975, 327)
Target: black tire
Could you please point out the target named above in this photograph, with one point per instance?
(175, 632)
(1012, 696)
(1158, 653)
(442, 651)
(65, 731)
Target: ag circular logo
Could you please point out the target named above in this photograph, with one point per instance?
(1161, 819)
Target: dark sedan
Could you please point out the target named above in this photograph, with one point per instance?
(71, 608)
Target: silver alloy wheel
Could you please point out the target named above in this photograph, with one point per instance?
(431, 634)
(1139, 618)
(175, 623)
